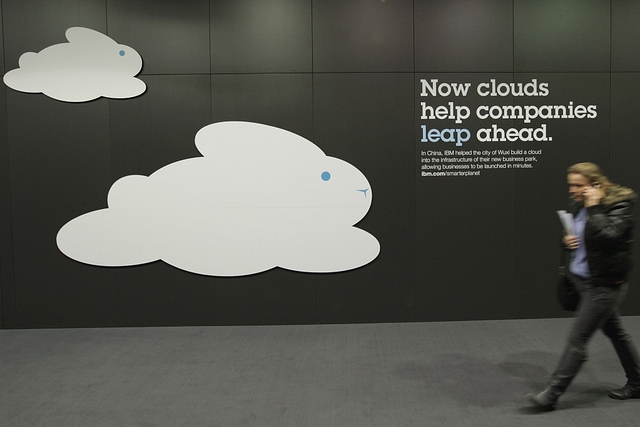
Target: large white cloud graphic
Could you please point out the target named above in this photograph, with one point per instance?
(260, 197)
(90, 66)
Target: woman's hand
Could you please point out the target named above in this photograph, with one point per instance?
(570, 242)
(592, 195)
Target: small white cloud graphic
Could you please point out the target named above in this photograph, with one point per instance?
(261, 197)
(90, 66)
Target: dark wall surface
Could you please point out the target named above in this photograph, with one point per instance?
(347, 75)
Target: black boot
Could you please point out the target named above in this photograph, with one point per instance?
(547, 399)
(570, 363)
(626, 392)
(630, 361)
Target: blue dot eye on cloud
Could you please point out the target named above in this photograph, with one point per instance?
(81, 70)
(251, 203)
(326, 176)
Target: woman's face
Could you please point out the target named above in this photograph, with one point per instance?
(577, 184)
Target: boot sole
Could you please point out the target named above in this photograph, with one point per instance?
(543, 407)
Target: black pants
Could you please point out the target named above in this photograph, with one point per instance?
(598, 309)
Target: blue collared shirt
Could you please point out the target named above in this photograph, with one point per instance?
(579, 264)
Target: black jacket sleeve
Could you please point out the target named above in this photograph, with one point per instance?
(607, 227)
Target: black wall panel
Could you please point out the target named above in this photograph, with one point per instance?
(465, 247)
(7, 294)
(625, 33)
(463, 35)
(254, 36)
(345, 75)
(6, 258)
(1, 41)
(148, 133)
(562, 35)
(60, 168)
(543, 190)
(172, 37)
(625, 158)
(32, 25)
(273, 297)
(362, 36)
(276, 296)
(158, 128)
(367, 120)
(157, 294)
(465, 225)
(282, 100)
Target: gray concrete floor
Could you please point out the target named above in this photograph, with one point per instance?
(408, 374)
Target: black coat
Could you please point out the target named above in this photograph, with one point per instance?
(608, 236)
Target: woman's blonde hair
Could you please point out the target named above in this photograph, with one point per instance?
(593, 173)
